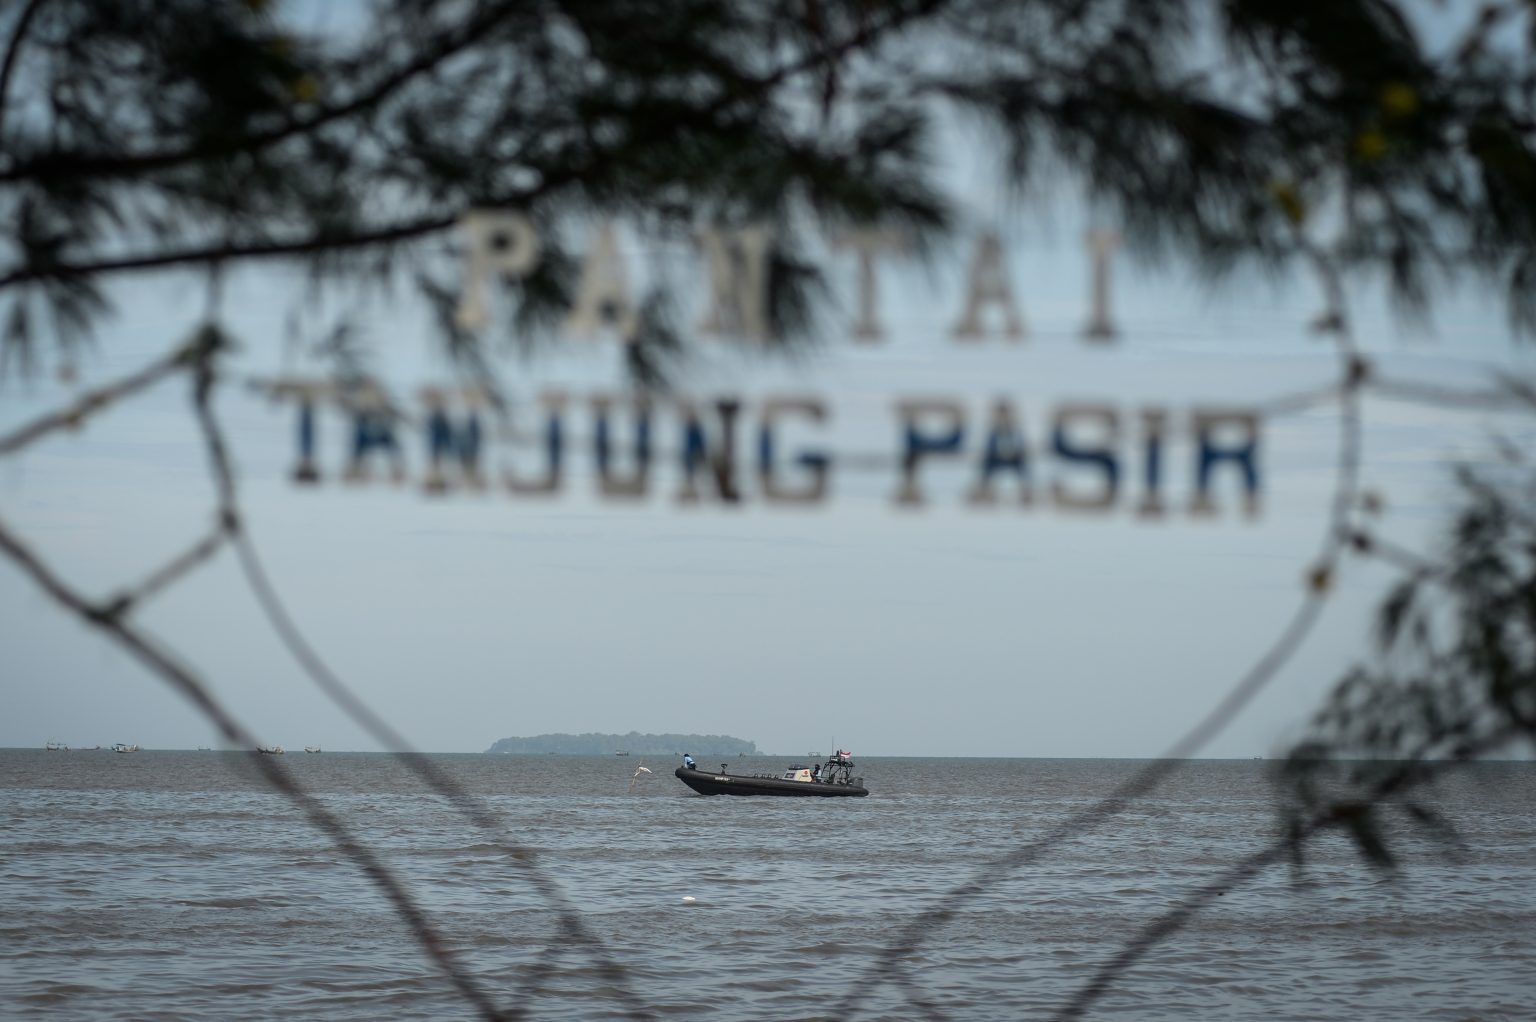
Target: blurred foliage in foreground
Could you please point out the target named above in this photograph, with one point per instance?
(155, 136)
(1455, 679)
(146, 136)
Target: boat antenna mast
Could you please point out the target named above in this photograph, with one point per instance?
(838, 768)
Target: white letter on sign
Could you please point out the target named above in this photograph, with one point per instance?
(738, 282)
(498, 242)
(602, 297)
(867, 243)
(988, 284)
(1101, 245)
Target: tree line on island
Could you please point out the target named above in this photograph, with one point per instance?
(593, 744)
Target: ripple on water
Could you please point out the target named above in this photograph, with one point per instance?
(205, 897)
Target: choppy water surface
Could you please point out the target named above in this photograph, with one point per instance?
(174, 885)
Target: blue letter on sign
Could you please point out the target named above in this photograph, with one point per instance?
(451, 445)
(1244, 454)
(919, 444)
(1104, 457)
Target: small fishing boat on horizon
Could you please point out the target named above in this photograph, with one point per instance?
(831, 779)
(270, 750)
(121, 747)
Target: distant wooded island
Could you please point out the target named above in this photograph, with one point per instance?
(633, 743)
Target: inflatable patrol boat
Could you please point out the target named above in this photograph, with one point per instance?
(830, 779)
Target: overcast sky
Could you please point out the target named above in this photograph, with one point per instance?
(947, 631)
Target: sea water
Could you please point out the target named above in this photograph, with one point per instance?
(177, 885)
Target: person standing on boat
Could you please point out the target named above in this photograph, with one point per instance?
(688, 762)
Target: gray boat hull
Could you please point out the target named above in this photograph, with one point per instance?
(706, 782)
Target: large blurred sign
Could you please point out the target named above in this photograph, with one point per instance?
(1151, 460)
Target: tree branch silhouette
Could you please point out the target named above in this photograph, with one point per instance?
(75, 415)
(439, 781)
(163, 664)
(12, 50)
(890, 963)
(1290, 846)
(60, 165)
(694, 112)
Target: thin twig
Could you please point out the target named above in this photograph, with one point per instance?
(208, 345)
(572, 173)
(1290, 404)
(12, 50)
(88, 404)
(1166, 925)
(1489, 398)
(179, 566)
(1414, 773)
(1369, 544)
(182, 679)
(57, 166)
(890, 963)
(338, 692)
(227, 252)
(524, 859)
(1354, 374)
(1523, 390)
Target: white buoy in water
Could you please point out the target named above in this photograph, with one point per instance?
(688, 899)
